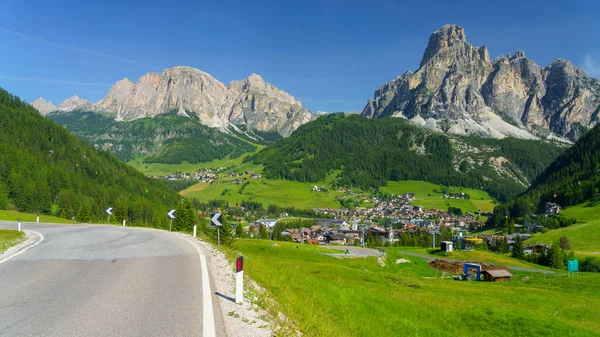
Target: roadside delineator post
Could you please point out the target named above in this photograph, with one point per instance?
(38, 218)
(194, 228)
(124, 219)
(19, 224)
(239, 280)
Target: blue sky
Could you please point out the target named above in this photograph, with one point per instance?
(330, 54)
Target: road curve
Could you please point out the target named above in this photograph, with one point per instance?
(102, 281)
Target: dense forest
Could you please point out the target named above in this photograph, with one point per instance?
(369, 152)
(572, 178)
(45, 169)
(167, 138)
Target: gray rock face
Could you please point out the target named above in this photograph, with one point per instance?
(75, 103)
(43, 107)
(251, 102)
(457, 89)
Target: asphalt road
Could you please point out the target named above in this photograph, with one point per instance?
(104, 281)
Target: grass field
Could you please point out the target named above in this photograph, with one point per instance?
(9, 238)
(327, 296)
(300, 195)
(588, 211)
(426, 196)
(475, 255)
(583, 237)
(266, 191)
(25, 217)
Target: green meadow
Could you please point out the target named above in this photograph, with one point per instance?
(328, 296)
(267, 191)
(26, 217)
(583, 237)
(9, 238)
(429, 196)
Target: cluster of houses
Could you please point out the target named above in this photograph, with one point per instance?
(404, 215)
(460, 195)
(209, 175)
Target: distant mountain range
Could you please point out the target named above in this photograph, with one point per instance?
(459, 90)
(251, 103)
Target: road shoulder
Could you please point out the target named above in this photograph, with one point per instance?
(31, 239)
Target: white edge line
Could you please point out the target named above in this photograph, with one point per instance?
(26, 248)
(208, 317)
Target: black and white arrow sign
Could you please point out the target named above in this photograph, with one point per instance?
(109, 211)
(216, 219)
(171, 214)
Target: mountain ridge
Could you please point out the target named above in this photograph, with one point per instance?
(458, 89)
(251, 102)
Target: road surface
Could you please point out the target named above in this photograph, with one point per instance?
(85, 280)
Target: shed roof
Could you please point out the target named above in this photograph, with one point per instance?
(498, 273)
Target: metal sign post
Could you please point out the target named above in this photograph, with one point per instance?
(217, 221)
(109, 212)
(171, 216)
(239, 280)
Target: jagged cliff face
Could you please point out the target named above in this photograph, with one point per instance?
(457, 89)
(251, 102)
(43, 107)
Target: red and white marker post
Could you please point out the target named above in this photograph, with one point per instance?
(239, 280)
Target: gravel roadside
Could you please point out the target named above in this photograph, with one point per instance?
(30, 238)
(240, 320)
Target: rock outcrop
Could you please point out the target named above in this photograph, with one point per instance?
(457, 89)
(75, 103)
(252, 102)
(43, 107)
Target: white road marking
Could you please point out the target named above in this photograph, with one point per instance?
(208, 317)
(26, 248)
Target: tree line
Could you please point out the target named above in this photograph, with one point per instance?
(369, 152)
(44, 169)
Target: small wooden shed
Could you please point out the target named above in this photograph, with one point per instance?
(500, 275)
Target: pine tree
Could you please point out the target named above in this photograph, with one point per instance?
(184, 216)
(564, 243)
(239, 231)
(555, 256)
(517, 251)
(84, 213)
(262, 232)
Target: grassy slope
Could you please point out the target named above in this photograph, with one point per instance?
(26, 217)
(266, 191)
(426, 197)
(584, 237)
(9, 238)
(326, 296)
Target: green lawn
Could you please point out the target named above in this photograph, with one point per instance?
(587, 211)
(25, 217)
(266, 191)
(9, 238)
(583, 237)
(426, 196)
(327, 296)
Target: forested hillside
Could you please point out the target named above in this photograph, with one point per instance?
(167, 138)
(572, 178)
(371, 152)
(45, 169)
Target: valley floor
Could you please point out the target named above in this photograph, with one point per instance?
(328, 296)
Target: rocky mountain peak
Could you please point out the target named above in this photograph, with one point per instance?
(445, 37)
(75, 103)
(458, 90)
(251, 102)
(43, 107)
